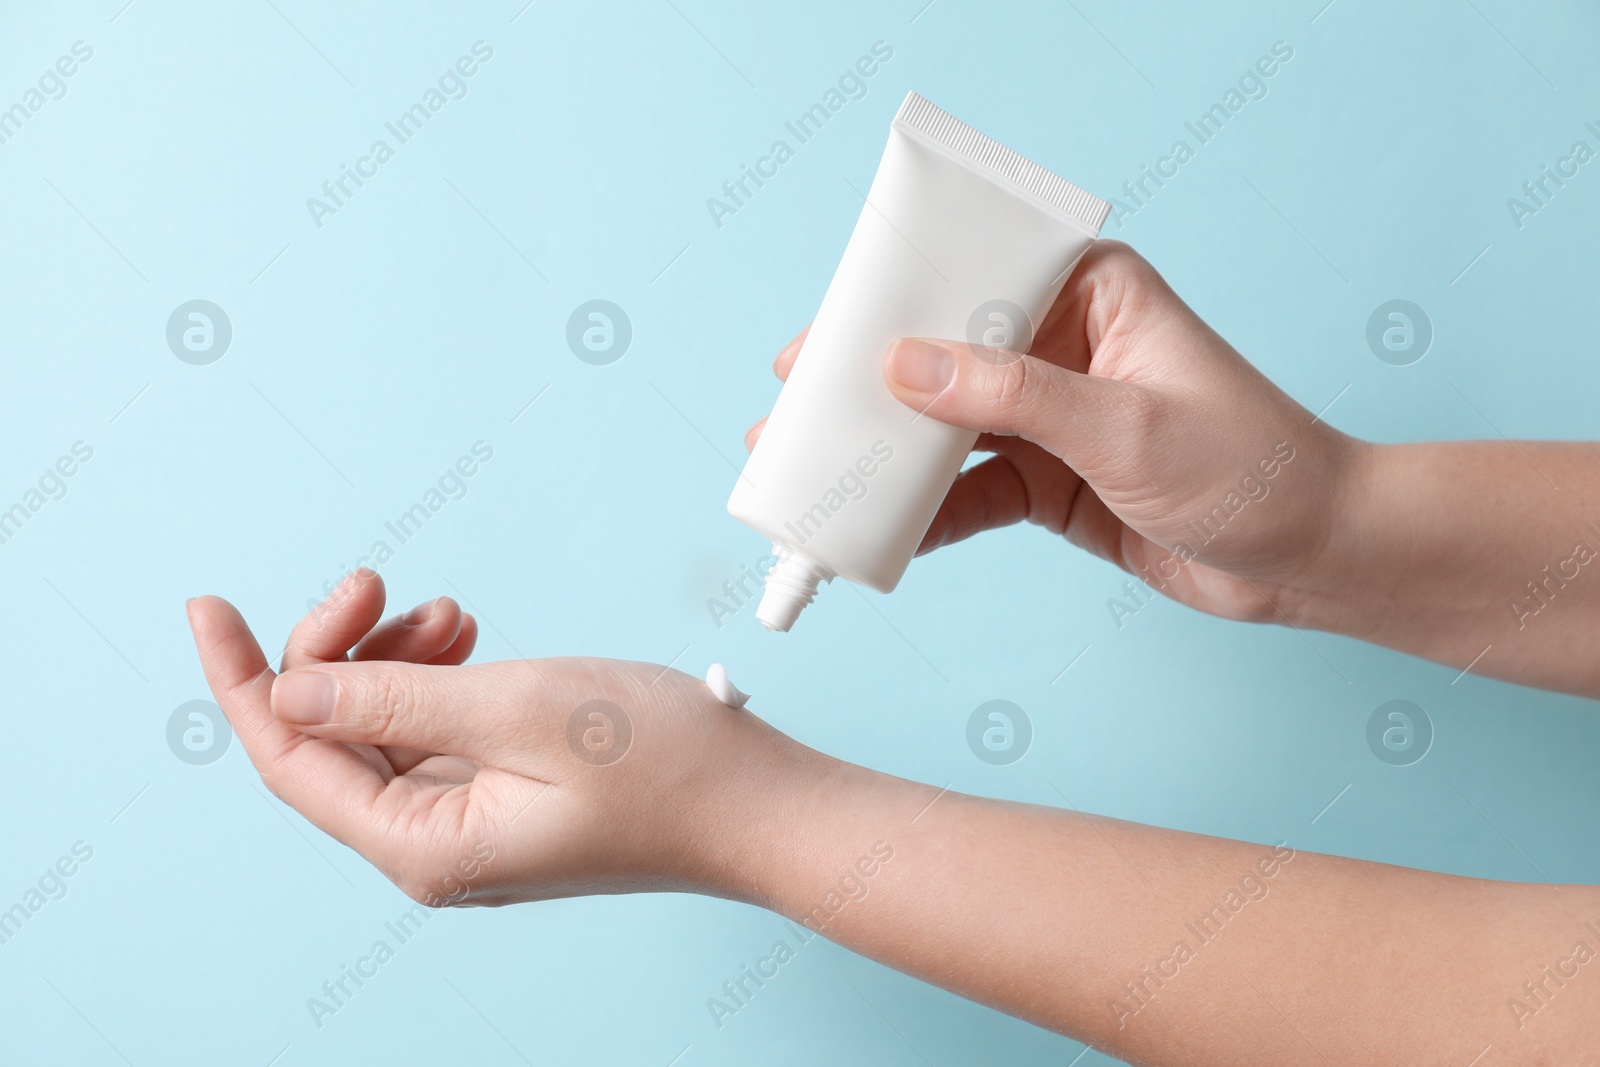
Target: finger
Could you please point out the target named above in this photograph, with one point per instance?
(434, 632)
(992, 442)
(461, 649)
(982, 497)
(407, 760)
(753, 434)
(791, 351)
(325, 781)
(415, 637)
(1110, 281)
(336, 624)
(998, 392)
(1021, 481)
(344, 619)
(781, 367)
(987, 442)
(478, 712)
(1098, 530)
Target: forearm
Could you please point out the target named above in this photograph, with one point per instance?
(1472, 552)
(1163, 947)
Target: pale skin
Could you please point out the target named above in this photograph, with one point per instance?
(1132, 419)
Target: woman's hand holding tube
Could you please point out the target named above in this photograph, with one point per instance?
(1138, 433)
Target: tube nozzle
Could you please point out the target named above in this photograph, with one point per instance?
(791, 585)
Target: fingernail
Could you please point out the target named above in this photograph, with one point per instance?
(421, 613)
(305, 698)
(919, 366)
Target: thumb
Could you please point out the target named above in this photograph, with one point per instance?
(478, 712)
(995, 391)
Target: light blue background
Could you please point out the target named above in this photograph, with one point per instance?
(370, 353)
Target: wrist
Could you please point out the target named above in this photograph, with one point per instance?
(794, 822)
(1355, 565)
(760, 811)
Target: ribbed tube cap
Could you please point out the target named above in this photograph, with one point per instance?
(791, 585)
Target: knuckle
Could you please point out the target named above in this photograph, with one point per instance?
(1016, 384)
(274, 786)
(433, 890)
(415, 888)
(1141, 416)
(391, 702)
(1118, 258)
(1111, 250)
(1142, 410)
(1118, 275)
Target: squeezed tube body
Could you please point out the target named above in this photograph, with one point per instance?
(959, 238)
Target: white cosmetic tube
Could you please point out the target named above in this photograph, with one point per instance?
(960, 238)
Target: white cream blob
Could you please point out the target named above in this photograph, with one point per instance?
(724, 690)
